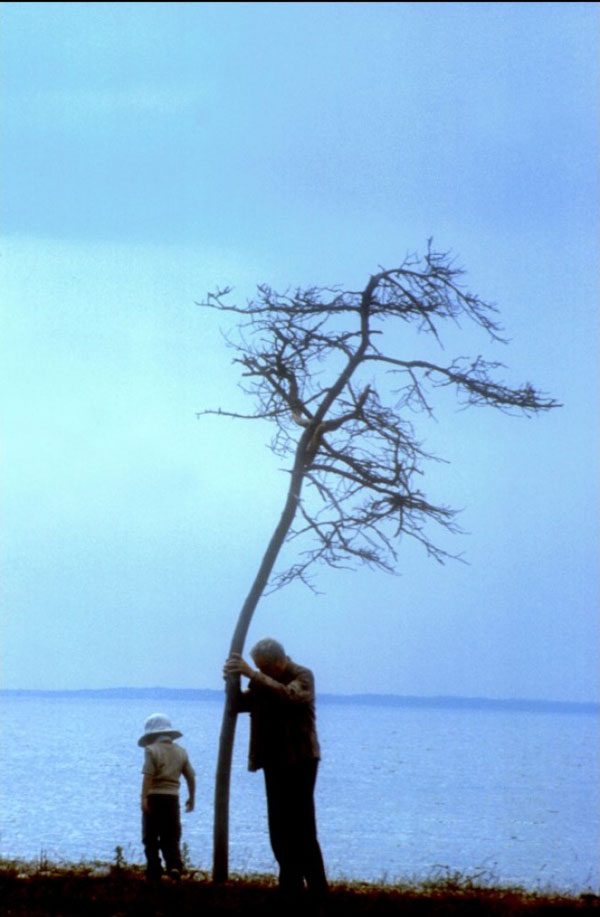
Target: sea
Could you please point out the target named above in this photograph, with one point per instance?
(409, 789)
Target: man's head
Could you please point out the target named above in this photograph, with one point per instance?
(269, 656)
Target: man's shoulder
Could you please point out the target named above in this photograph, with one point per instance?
(303, 678)
(296, 670)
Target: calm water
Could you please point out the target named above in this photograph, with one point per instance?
(402, 793)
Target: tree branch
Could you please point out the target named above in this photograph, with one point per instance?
(359, 455)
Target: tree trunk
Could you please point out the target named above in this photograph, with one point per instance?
(223, 776)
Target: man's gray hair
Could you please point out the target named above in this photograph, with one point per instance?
(268, 650)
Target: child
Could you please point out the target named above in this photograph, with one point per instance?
(164, 763)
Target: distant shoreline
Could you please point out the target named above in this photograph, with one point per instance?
(440, 702)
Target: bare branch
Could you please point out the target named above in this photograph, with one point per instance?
(300, 353)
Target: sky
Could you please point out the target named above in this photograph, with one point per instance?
(152, 152)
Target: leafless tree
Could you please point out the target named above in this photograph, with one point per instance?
(309, 358)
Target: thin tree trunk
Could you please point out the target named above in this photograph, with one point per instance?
(223, 777)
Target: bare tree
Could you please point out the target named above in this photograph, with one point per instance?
(308, 359)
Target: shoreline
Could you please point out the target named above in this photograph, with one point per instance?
(41, 888)
(438, 702)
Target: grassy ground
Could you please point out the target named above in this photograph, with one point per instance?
(43, 889)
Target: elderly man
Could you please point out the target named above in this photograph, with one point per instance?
(283, 742)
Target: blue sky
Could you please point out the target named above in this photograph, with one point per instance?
(152, 152)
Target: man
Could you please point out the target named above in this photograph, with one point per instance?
(283, 742)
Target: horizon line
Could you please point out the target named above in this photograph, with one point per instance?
(357, 697)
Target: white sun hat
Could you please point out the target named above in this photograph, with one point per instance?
(158, 724)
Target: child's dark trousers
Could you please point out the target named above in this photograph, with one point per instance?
(161, 833)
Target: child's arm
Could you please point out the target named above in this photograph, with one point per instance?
(146, 783)
(190, 779)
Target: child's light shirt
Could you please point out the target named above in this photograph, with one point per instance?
(164, 763)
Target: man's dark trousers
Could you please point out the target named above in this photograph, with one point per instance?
(293, 829)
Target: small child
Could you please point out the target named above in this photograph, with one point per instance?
(164, 763)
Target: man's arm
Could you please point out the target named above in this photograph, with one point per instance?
(301, 690)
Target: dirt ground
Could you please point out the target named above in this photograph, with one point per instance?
(123, 893)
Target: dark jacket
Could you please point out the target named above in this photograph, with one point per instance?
(282, 717)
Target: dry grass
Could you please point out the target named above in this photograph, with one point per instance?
(120, 890)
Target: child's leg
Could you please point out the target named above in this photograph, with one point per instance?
(150, 839)
(170, 833)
